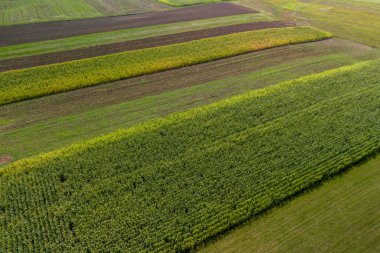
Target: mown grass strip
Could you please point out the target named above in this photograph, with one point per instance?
(49, 46)
(39, 81)
(170, 184)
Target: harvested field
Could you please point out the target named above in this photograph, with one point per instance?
(43, 124)
(46, 31)
(62, 56)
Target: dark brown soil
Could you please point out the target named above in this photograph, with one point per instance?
(18, 34)
(56, 57)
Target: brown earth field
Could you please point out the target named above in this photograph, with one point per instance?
(43, 124)
(81, 53)
(18, 34)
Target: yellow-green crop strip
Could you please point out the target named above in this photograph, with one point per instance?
(172, 183)
(39, 81)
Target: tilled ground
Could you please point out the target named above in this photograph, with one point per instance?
(18, 34)
(56, 57)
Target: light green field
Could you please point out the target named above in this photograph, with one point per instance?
(355, 20)
(124, 35)
(33, 11)
(39, 81)
(342, 215)
(187, 2)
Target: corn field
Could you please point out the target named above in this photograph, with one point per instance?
(170, 184)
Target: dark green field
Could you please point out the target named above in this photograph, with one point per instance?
(184, 179)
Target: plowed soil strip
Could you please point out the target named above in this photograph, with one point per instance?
(56, 57)
(18, 34)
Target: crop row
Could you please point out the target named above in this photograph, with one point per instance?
(39, 81)
(170, 184)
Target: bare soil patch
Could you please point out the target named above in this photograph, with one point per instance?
(56, 57)
(5, 159)
(18, 34)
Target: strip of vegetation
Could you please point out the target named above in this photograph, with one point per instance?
(172, 183)
(39, 81)
(49, 46)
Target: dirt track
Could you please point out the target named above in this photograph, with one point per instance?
(56, 57)
(18, 34)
